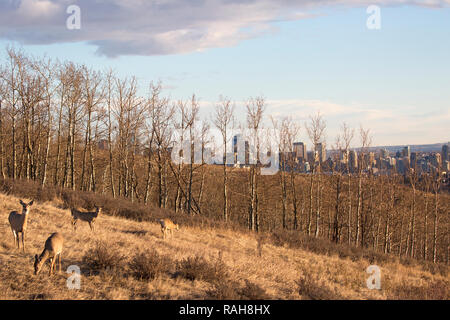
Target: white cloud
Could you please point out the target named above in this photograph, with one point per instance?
(138, 27)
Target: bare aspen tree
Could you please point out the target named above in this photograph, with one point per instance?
(109, 96)
(316, 132)
(347, 135)
(93, 94)
(413, 179)
(223, 120)
(161, 113)
(191, 118)
(45, 69)
(255, 110)
(337, 175)
(2, 137)
(436, 186)
(366, 141)
(427, 180)
(205, 139)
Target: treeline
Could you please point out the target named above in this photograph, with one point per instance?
(65, 125)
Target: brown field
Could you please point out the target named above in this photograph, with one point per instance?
(232, 267)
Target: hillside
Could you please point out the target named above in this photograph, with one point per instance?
(277, 271)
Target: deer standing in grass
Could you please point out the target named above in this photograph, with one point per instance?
(19, 221)
(87, 216)
(52, 250)
(167, 225)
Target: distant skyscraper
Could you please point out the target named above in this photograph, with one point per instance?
(406, 152)
(320, 149)
(353, 160)
(241, 150)
(413, 159)
(445, 153)
(310, 157)
(300, 150)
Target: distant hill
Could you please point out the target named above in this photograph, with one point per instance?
(435, 147)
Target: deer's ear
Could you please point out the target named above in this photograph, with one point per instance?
(21, 202)
(31, 203)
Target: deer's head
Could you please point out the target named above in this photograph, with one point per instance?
(26, 206)
(37, 264)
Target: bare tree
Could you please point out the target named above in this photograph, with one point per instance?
(223, 120)
(255, 111)
(366, 141)
(316, 132)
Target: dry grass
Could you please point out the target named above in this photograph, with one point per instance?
(126, 259)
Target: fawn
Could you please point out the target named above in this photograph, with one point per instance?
(52, 249)
(167, 225)
(19, 221)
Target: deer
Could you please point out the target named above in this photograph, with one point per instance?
(167, 225)
(52, 249)
(19, 221)
(88, 216)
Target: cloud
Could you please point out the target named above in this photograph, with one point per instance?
(157, 27)
(389, 125)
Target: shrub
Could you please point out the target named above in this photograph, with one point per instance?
(197, 268)
(436, 290)
(231, 290)
(150, 265)
(310, 287)
(103, 257)
(251, 291)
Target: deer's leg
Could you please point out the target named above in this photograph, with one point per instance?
(18, 239)
(23, 241)
(59, 260)
(52, 263)
(74, 224)
(91, 225)
(14, 236)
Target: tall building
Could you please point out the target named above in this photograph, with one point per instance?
(406, 152)
(353, 161)
(322, 153)
(241, 150)
(413, 159)
(310, 157)
(300, 150)
(445, 153)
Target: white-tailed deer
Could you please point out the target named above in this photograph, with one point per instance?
(52, 249)
(18, 222)
(88, 216)
(167, 225)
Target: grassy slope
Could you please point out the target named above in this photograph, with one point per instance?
(276, 271)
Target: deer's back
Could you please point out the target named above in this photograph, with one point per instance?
(84, 215)
(167, 224)
(54, 243)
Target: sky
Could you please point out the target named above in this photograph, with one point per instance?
(303, 56)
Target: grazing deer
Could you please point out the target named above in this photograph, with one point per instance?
(18, 222)
(167, 225)
(52, 249)
(87, 216)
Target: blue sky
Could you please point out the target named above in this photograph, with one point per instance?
(395, 81)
